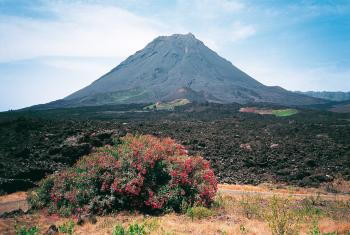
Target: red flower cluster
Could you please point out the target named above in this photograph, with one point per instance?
(143, 172)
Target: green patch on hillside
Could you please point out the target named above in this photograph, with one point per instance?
(118, 97)
(168, 105)
(284, 112)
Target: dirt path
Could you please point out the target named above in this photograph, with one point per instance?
(333, 197)
(13, 202)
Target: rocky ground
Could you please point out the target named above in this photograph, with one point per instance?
(306, 149)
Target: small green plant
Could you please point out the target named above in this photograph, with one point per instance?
(67, 227)
(184, 207)
(65, 211)
(33, 230)
(133, 229)
(199, 212)
(152, 224)
(137, 229)
(281, 219)
(249, 207)
(309, 209)
(119, 230)
(314, 229)
(219, 201)
(164, 232)
(243, 229)
(223, 232)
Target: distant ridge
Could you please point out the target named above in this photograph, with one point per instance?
(327, 95)
(178, 67)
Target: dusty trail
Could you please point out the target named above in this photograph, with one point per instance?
(13, 202)
(13, 206)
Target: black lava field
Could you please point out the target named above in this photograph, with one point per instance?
(306, 149)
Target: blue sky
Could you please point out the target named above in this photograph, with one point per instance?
(49, 49)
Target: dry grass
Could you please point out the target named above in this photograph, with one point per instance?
(13, 197)
(232, 214)
(337, 186)
(274, 188)
(13, 201)
(167, 224)
(342, 191)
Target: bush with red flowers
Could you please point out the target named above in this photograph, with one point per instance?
(141, 172)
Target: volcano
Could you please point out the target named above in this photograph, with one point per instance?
(175, 67)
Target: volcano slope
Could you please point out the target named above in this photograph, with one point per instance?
(306, 149)
(177, 67)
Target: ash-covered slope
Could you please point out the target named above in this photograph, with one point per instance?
(178, 66)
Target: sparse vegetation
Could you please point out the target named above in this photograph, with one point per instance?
(232, 214)
(280, 217)
(135, 228)
(243, 229)
(250, 206)
(338, 185)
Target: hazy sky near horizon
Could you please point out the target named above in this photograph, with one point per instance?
(51, 48)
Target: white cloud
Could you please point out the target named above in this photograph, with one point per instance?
(97, 66)
(76, 30)
(240, 31)
(106, 30)
(216, 22)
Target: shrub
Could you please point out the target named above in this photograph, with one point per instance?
(141, 172)
(199, 212)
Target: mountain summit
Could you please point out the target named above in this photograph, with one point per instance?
(178, 66)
